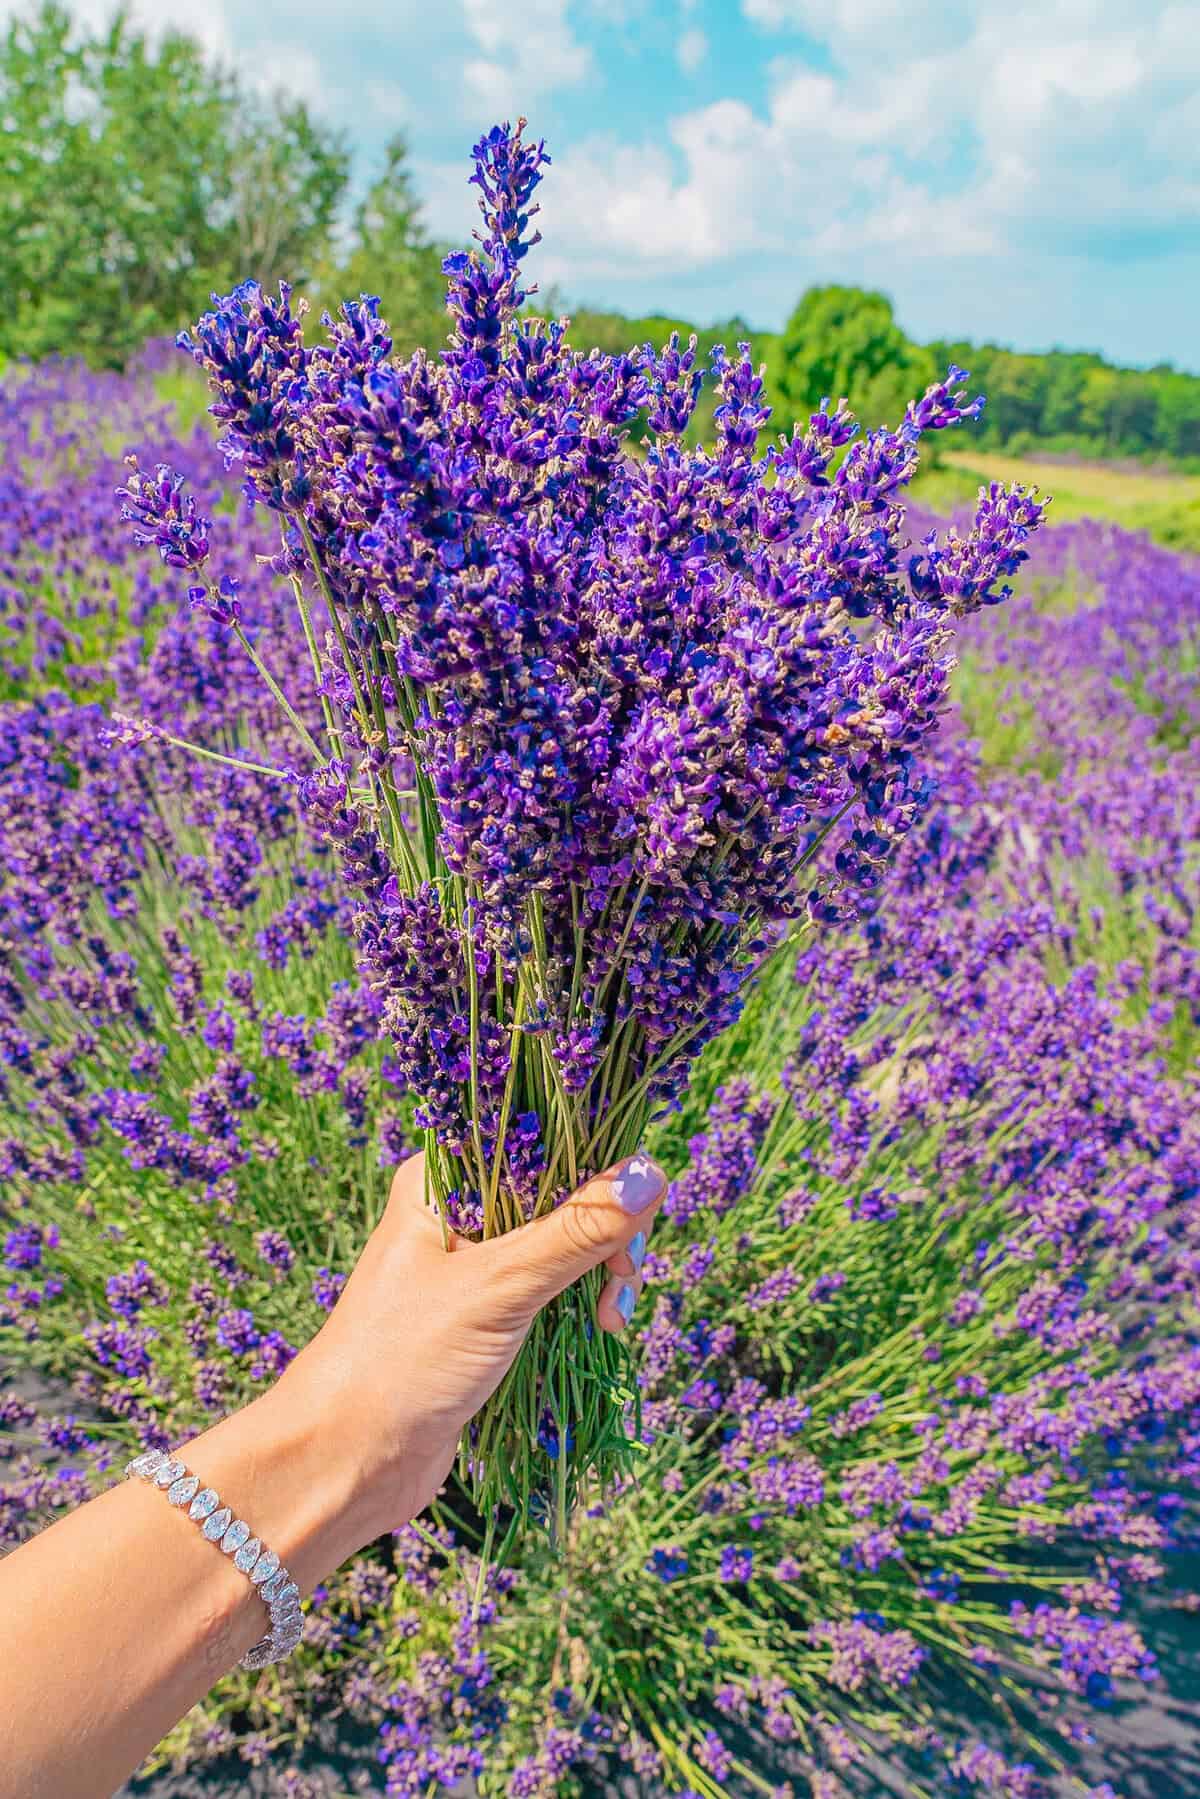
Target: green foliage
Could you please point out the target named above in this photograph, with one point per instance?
(290, 177)
(319, 1134)
(1174, 523)
(136, 179)
(392, 256)
(1109, 928)
(844, 341)
(1074, 400)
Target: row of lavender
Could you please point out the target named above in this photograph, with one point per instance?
(919, 1361)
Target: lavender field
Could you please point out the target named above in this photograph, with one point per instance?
(912, 1491)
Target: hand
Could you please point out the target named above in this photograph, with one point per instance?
(420, 1338)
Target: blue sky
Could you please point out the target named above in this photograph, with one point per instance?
(1026, 172)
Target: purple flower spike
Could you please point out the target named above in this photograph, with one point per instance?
(163, 516)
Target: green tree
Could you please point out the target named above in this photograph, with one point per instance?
(391, 255)
(1133, 414)
(844, 341)
(289, 181)
(135, 178)
(1062, 392)
(1016, 390)
(1179, 413)
(1096, 403)
(1076, 401)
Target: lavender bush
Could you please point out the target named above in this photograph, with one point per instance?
(918, 1363)
(588, 716)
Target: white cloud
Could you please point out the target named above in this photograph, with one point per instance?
(1091, 130)
(1035, 155)
(1055, 128)
(802, 184)
(525, 51)
(289, 69)
(411, 63)
(999, 171)
(1078, 115)
(691, 49)
(874, 28)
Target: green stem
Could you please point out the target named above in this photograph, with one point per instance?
(280, 697)
(195, 749)
(331, 727)
(336, 622)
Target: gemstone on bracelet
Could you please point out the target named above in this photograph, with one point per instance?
(282, 1610)
(272, 1587)
(235, 1536)
(168, 1473)
(288, 1635)
(144, 1464)
(261, 1655)
(264, 1567)
(180, 1491)
(247, 1555)
(290, 1591)
(203, 1504)
(216, 1525)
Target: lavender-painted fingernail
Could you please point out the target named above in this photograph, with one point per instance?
(626, 1300)
(637, 1251)
(638, 1185)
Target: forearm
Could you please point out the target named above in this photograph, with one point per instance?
(95, 1669)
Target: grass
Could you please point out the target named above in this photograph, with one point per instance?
(180, 386)
(1167, 504)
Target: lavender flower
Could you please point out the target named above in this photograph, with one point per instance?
(606, 708)
(162, 515)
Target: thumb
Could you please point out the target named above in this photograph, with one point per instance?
(540, 1259)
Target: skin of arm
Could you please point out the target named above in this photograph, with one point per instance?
(119, 1618)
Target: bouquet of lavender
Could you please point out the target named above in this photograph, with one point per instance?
(580, 719)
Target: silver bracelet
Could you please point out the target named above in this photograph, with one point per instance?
(261, 1566)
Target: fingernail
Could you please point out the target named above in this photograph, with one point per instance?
(638, 1185)
(637, 1251)
(626, 1300)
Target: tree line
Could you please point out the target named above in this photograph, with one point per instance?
(845, 340)
(137, 176)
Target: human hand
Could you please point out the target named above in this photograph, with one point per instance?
(420, 1338)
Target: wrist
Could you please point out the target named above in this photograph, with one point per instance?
(379, 1463)
(275, 1464)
